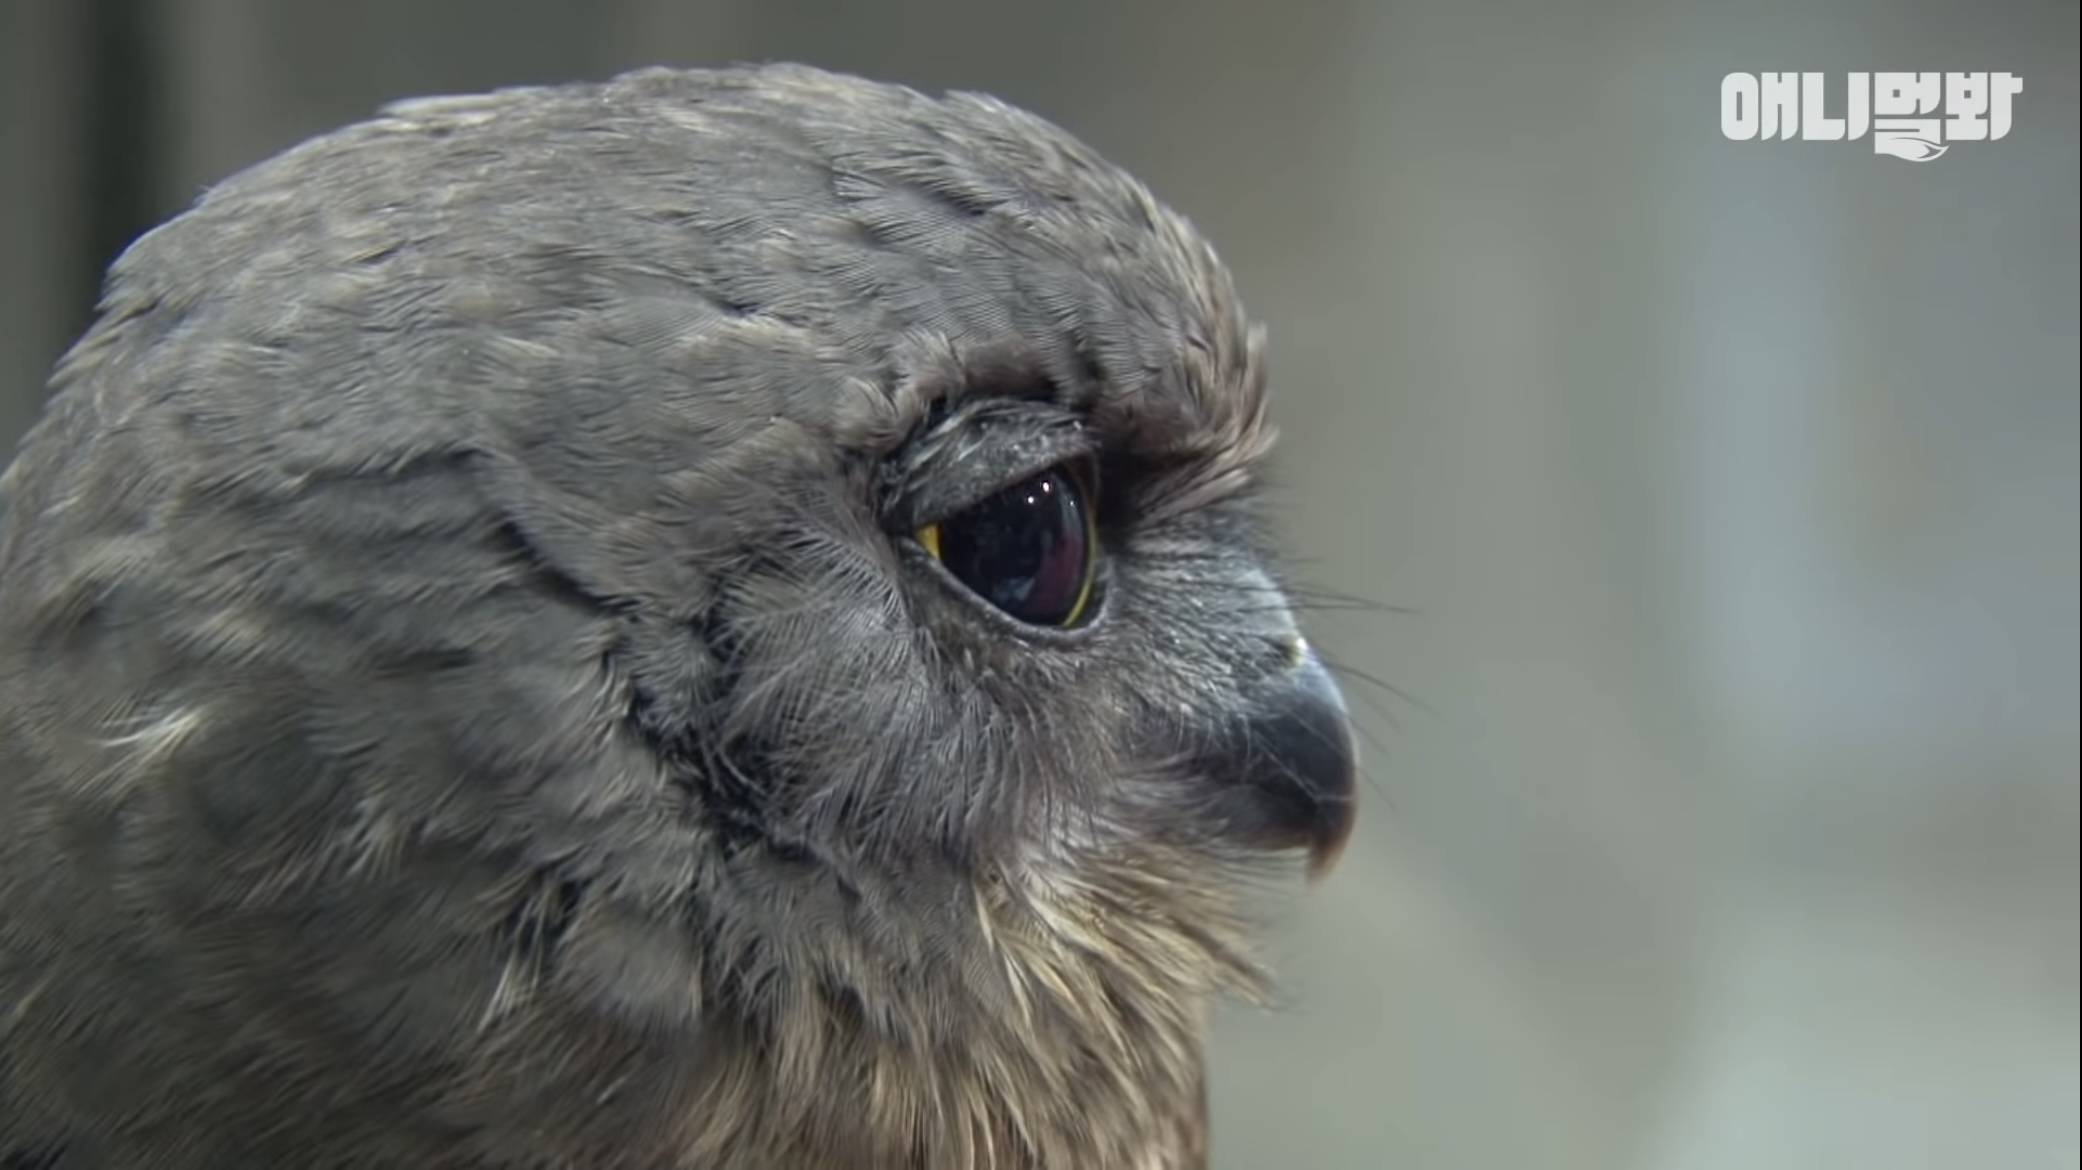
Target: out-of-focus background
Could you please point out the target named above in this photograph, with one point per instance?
(1732, 487)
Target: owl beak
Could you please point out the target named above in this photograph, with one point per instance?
(1290, 766)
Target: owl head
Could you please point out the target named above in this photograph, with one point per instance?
(711, 620)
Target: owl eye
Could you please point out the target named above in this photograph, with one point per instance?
(1030, 549)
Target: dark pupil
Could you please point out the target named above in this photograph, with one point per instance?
(1023, 549)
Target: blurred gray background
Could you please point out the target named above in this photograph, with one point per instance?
(1731, 818)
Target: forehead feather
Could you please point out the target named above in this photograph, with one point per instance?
(765, 241)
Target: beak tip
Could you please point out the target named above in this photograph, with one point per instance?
(1333, 833)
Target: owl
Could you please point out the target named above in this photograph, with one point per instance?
(709, 621)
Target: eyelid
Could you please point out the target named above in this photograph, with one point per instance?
(936, 489)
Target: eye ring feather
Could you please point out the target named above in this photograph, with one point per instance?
(1030, 550)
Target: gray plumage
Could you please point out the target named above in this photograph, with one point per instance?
(471, 696)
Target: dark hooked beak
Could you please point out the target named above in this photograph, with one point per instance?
(1286, 768)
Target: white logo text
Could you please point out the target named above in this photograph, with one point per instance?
(1915, 116)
